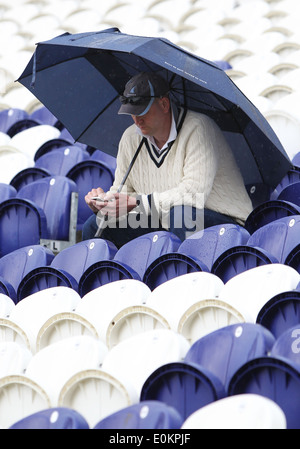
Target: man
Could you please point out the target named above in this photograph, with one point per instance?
(184, 178)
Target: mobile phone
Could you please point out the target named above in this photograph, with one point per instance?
(98, 198)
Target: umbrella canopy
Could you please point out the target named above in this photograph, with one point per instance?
(79, 78)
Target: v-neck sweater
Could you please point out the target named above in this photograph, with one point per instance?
(198, 170)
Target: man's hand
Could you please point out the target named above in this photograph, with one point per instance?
(117, 204)
(95, 205)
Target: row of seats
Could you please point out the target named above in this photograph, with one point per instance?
(159, 369)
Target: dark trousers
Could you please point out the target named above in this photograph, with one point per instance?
(183, 221)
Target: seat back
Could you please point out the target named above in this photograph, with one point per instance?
(53, 418)
(210, 243)
(28, 175)
(231, 346)
(57, 197)
(22, 223)
(16, 264)
(88, 174)
(278, 237)
(145, 415)
(61, 160)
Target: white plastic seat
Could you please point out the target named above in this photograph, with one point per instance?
(6, 305)
(14, 358)
(172, 298)
(29, 314)
(250, 290)
(132, 321)
(134, 359)
(31, 139)
(208, 315)
(94, 312)
(245, 411)
(285, 120)
(46, 374)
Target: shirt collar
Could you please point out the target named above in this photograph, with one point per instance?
(171, 138)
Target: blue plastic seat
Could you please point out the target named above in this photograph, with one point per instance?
(130, 261)
(291, 193)
(52, 144)
(270, 211)
(21, 125)
(15, 265)
(107, 159)
(224, 351)
(274, 378)
(53, 418)
(281, 312)
(296, 160)
(28, 175)
(22, 223)
(196, 253)
(67, 267)
(278, 238)
(238, 259)
(61, 160)
(10, 116)
(287, 345)
(184, 386)
(7, 191)
(291, 177)
(53, 195)
(144, 415)
(87, 175)
(208, 244)
(45, 117)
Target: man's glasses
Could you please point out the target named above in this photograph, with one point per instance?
(135, 100)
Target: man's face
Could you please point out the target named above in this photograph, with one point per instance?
(150, 124)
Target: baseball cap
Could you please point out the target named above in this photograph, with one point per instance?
(140, 92)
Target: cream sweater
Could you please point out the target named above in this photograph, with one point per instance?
(199, 170)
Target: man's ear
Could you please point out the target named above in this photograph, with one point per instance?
(165, 103)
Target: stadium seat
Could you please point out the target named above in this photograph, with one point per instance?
(175, 296)
(29, 140)
(107, 159)
(238, 259)
(61, 160)
(270, 211)
(46, 374)
(144, 415)
(6, 305)
(12, 162)
(273, 378)
(50, 145)
(96, 394)
(292, 176)
(14, 358)
(28, 175)
(281, 312)
(291, 193)
(89, 174)
(45, 117)
(52, 418)
(29, 315)
(7, 191)
(22, 223)
(240, 412)
(130, 261)
(21, 125)
(184, 386)
(141, 354)
(67, 267)
(57, 197)
(10, 116)
(277, 238)
(287, 345)
(231, 346)
(251, 290)
(94, 314)
(16, 264)
(195, 253)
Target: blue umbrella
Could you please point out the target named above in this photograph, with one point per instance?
(79, 78)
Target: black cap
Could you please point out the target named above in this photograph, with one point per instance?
(140, 92)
